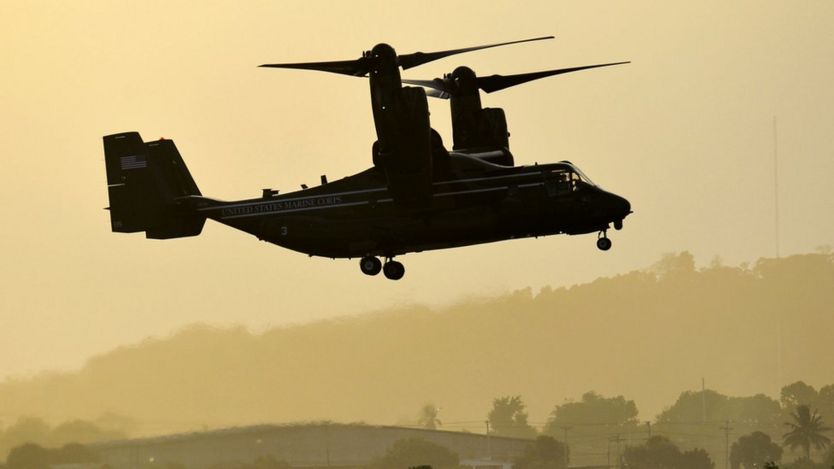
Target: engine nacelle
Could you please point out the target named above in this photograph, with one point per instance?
(407, 159)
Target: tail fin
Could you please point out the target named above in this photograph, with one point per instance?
(147, 184)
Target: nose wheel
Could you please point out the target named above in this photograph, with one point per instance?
(603, 243)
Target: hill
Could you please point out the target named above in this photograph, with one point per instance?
(647, 335)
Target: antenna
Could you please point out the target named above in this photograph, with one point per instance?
(776, 237)
(776, 186)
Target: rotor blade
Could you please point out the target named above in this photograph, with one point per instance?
(357, 68)
(499, 82)
(436, 84)
(419, 58)
(435, 88)
(437, 94)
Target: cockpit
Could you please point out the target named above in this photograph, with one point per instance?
(577, 174)
(565, 176)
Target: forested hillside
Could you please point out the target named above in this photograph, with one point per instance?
(647, 335)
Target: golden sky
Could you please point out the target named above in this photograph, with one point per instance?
(685, 132)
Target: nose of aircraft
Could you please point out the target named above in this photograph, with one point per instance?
(621, 206)
(616, 208)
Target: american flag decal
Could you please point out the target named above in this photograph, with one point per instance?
(133, 162)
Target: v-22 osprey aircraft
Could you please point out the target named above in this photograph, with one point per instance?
(417, 196)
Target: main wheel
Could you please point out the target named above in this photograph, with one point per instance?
(604, 244)
(393, 270)
(370, 265)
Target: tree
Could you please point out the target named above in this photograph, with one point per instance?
(28, 456)
(697, 458)
(825, 403)
(591, 419)
(828, 457)
(507, 418)
(113, 422)
(34, 456)
(24, 430)
(415, 452)
(796, 394)
(709, 405)
(82, 431)
(826, 395)
(674, 264)
(754, 450)
(803, 463)
(657, 453)
(806, 430)
(72, 453)
(428, 417)
(35, 430)
(660, 453)
(593, 409)
(544, 453)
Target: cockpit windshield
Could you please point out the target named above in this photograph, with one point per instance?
(578, 172)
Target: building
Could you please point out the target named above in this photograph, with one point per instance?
(314, 445)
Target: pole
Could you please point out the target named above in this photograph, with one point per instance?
(616, 438)
(779, 382)
(327, 442)
(726, 429)
(776, 187)
(608, 463)
(567, 447)
(703, 401)
(489, 450)
(778, 250)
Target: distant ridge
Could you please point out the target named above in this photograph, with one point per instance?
(647, 335)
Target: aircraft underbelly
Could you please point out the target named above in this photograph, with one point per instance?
(381, 231)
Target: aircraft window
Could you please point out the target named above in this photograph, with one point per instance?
(568, 178)
(577, 174)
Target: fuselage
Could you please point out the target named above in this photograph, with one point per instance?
(418, 196)
(472, 202)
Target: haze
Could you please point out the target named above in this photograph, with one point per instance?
(685, 132)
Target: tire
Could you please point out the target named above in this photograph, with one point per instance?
(370, 265)
(604, 244)
(393, 270)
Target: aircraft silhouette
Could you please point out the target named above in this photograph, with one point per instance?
(417, 195)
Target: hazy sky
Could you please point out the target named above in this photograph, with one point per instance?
(685, 132)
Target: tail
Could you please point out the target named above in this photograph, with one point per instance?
(150, 188)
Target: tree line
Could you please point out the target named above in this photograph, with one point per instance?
(598, 428)
(38, 432)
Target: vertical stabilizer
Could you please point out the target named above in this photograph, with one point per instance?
(147, 183)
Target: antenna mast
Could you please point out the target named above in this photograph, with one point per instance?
(776, 187)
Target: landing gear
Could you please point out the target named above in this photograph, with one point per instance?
(603, 243)
(393, 270)
(370, 265)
